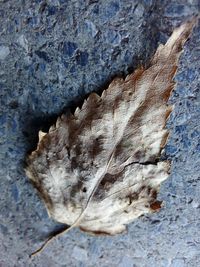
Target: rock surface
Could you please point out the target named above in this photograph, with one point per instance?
(53, 53)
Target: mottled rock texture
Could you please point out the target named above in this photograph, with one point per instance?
(52, 54)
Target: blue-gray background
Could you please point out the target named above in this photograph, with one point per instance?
(52, 54)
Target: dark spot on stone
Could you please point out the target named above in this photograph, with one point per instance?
(68, 48)
(92, 2)
(190, 201)
(14, 104)
(52, 10)
(82, 58)
(42, 7)
(43, 55)
(155, 221)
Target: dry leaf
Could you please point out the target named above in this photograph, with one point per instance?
(100, 168)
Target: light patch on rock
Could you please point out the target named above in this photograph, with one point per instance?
(4, 52)
(91, 28)
(79, 254)
(23, 42)
(126, 262)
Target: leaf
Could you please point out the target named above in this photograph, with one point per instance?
(100, 168)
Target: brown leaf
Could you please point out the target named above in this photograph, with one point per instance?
(100, 168)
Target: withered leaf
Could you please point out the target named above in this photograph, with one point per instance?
(100, 168)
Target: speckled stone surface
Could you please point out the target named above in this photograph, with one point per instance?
(52, 54)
